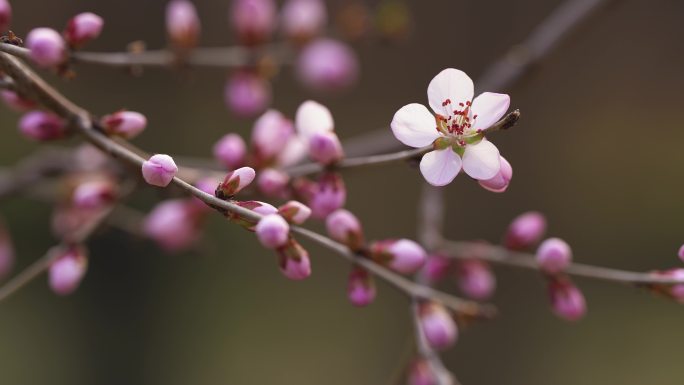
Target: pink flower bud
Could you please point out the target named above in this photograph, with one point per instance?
(270, 135)
(327, 65)
(499, 183)
(436, 268)
(42, 126)
(46, 46)
(6, 251)
(313, 117)
(567, 300)
(262, 208)
(554, 255)
(235, 181)
(207, 185)
(273, 231)
(403, 255)
(159, 170)
(93, 194)
(182, 24)
(437, 325)
(675, 291)
(525, 231)
(421, 374)
(294, 261)
(476, 279)
(247, 94)
(83, 28)
(344, 227)
(16, 102)
(325, 148)
(680, 253)
(173, 224)
(324, 196)
(126, 124)
(295, 212)
(303, 19)
(272, 182)
(5, 15)
(90, 158)
(253, 20)
(67, 271)
(360, 287)
(230, 151)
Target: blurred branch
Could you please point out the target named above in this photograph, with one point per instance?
(500, 255)
(33, 169)
(216, 57)
(37, 89)
(508, 69)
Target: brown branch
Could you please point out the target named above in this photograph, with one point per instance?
(500, 255)
(31, 84)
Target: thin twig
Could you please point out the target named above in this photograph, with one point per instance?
(31, 84)
(500, 255)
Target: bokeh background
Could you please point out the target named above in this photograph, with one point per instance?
(598, 150)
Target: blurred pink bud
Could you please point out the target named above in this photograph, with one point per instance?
(294, 261)
(303, 19)
(5, 15)
(272, 182)
(360, 287)
(437, 325)
(325, 148)
(182, 24)
(270, 135)
(344, 227)
(327, 65)
(313, 117)
(93, 194)
(230, 151)
(247, 94)
(525, 231)
(436, 268)
(126, 124)
(16, 102)
(295, 212)
(403, 255)
(258, 207)
(173, 224)
(235, 181)
(295, 150)
(253, 20)
(159, 170)
(83, 28)
(324, 196)
(67, 271)
(420, 373)
(46, 46)
(554, 255)
(273, 231)
(499, 183)
(567, 301)
(42, 126)
(90, 158)
(6, 251)
(476, 280)
(680, 253)
(207, 185)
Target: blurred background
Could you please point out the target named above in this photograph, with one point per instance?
(598, 149)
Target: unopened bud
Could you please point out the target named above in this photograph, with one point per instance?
(126, 124)
(324, 196)
(476, 280)
(436, 268)
(499, 183)
(420, 373)
(403, 255)
(15, 101)
(313, 117)
(272, 182)
(295, 212)
(230, 151)
(437, 325)
(159, 170)
(273, 231)
(247, 94)
(325, 148)
(525, 231)
(5, 15)
(680, 253)
(235, 181)
(554, 255)
(567, 301)
(93, 194)
(344, 227)
(294, 261)
(46, 46)
(303, 19)
(67, 271)
(270, 135)
(42, 126)
(83, 28)
(182, 24)
(327, 65)
(253, 20)
(173, 224)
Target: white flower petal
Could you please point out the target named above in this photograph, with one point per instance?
(440, 167)
(450, 84)
(481, 161)
(414, 125)
(313, 117)
(489, 108)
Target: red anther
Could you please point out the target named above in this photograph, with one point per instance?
(460, 104)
